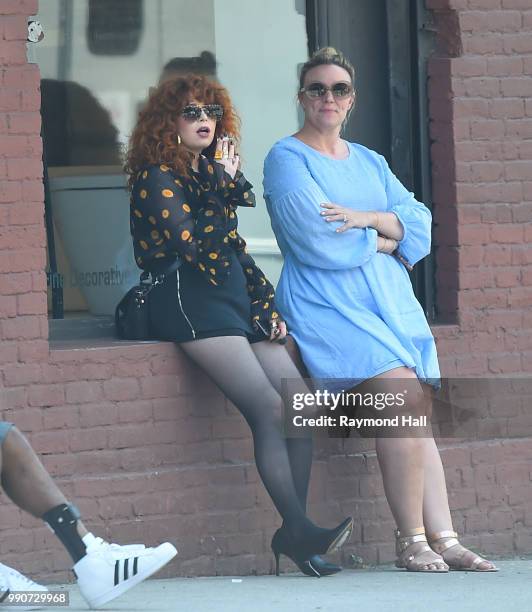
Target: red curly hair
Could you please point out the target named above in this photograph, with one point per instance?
(154, 138)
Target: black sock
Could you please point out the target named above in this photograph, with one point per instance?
(63, 520)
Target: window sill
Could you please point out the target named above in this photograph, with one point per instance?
(86, 332)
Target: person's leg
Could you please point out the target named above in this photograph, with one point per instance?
(401, 461)
(436, 512)
(277, 364)
(233, 366)
(104, 571)
(31, 488)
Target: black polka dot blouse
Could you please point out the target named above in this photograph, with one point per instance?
(195, 218)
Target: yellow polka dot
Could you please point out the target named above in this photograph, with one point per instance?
(154, 234)
(165, 213)
(213, 282)
(167, 234)
(232, 234)
(226, 240)
(186, 208)
(209, 213)
(138, 213)
(164, 168)
(145, 174)
(167, 193)
(188, 257)
(274, 315)
(201, 267)
(144, 245)
(185, 235)
(152, 219)
(232, 215)
(256, 318)
(266, 305)
(212, 271)
(249, 270)
(226, 263)
(208, 229)
(213, 255)
(143, 194)
(246, 195)
(210, 169)
(178, 182)
(231, 185)
(160, 255)
(190, 188)
(262, 281)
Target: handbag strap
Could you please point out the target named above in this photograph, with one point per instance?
(159, 276)
(148, 280)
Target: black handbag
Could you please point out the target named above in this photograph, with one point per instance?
(132, 314)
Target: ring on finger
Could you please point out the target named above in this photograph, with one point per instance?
(345, 218)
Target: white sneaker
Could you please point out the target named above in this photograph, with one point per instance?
(11, 582)
(109, 570)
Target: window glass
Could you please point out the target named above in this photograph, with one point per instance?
(97, 66)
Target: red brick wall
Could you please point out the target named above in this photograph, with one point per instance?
(480, 94)
(150, 450)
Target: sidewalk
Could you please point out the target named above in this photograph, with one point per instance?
(382, 589)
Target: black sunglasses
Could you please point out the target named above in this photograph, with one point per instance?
(192, 112)
(319, 90)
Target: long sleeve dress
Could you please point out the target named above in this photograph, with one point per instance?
(351, 310)
(218, 290)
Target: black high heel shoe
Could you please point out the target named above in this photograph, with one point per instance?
(305, 558)
(315, 566)
(281, 545)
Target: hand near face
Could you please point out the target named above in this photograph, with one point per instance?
(226, 156)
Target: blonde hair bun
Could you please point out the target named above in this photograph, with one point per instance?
(326, 55)
(326, 52)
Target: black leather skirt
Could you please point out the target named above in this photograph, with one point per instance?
(185, 306)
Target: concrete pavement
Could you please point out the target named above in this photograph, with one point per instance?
(380, 589)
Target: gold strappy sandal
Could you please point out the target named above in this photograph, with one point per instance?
(458, 565)
(410, 560)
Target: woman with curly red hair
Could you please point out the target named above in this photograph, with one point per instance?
(218, 305)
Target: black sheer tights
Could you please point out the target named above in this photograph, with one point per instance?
(250, 376)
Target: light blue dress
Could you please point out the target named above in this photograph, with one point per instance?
(351, 310)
